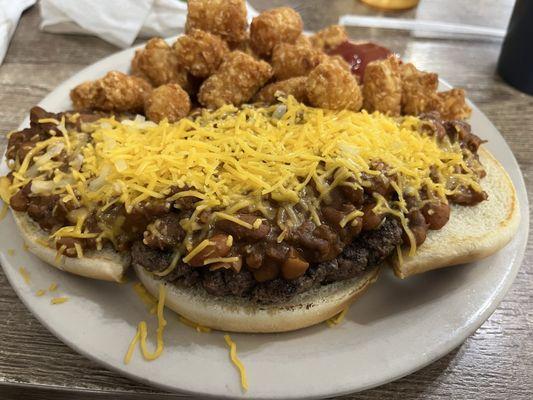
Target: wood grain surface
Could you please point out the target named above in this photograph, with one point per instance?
(496, 362)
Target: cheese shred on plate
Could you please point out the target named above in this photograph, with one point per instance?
(59, 300)
(232, 158)
(142, 333)
(337, 319)
(25, 275)
(235, 360)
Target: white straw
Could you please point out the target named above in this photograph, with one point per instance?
(414, 24)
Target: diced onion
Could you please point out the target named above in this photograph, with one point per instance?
(42, 187)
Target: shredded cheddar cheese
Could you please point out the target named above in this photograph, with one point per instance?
(25, 275)
(52, 287)
(192, 324)
(230, 159)
(235, 360)
(11, 252)
(40, 292)
(149, 300)
(131, 347)
(337, 319)
(161, 323)
(59, 300)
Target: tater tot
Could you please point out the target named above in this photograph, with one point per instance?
(419, 89)
(341, 62)
(329, 37)
(303, 40)
(158, 64)
(116, 91)
(382, 86)
(333, 87)
(200, 52)
(452, 104)
(292, 86)
(169, 101)
(236, 81)
(278, 25)
(290, 60)
(84, 95)
(225, 18)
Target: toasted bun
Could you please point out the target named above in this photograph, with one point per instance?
(472, 233)
(236, 314)
(105, 264)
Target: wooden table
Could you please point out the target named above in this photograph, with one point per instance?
(495, 362)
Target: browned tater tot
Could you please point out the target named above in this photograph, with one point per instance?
(200, 52)
(303, 40)
(158, 64)
(290, 60)
(333, 87)
(329, 37)
(168, 101)
(278, 25)
(225, 18)
(84, 95)
(116, 91)
(236, 81)
(382, 86)
(452, 104)
(419, 89)
(292, 86)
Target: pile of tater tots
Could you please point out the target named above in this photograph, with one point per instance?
(220, 60)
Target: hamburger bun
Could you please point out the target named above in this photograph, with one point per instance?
(236, 314)
(105, 264)
(472, 233)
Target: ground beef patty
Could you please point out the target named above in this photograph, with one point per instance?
(364, 253)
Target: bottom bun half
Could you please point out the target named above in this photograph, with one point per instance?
(105, 264)
(236, 314)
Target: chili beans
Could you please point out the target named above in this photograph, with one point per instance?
(268, 271)
(218, 248)
(417, 225)
(370, 219)
(294, 267)
(436, 214)
(242, 232)
(19, 201)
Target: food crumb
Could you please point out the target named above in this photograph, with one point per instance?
(3, 211)
(52, 287)
(11, 252)
(59, 300)
(25, 275)
(40, 292)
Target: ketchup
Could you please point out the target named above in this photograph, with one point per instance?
(358, 55)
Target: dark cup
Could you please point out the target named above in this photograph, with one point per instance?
(515, 65)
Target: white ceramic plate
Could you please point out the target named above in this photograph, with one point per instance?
(395, 329)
